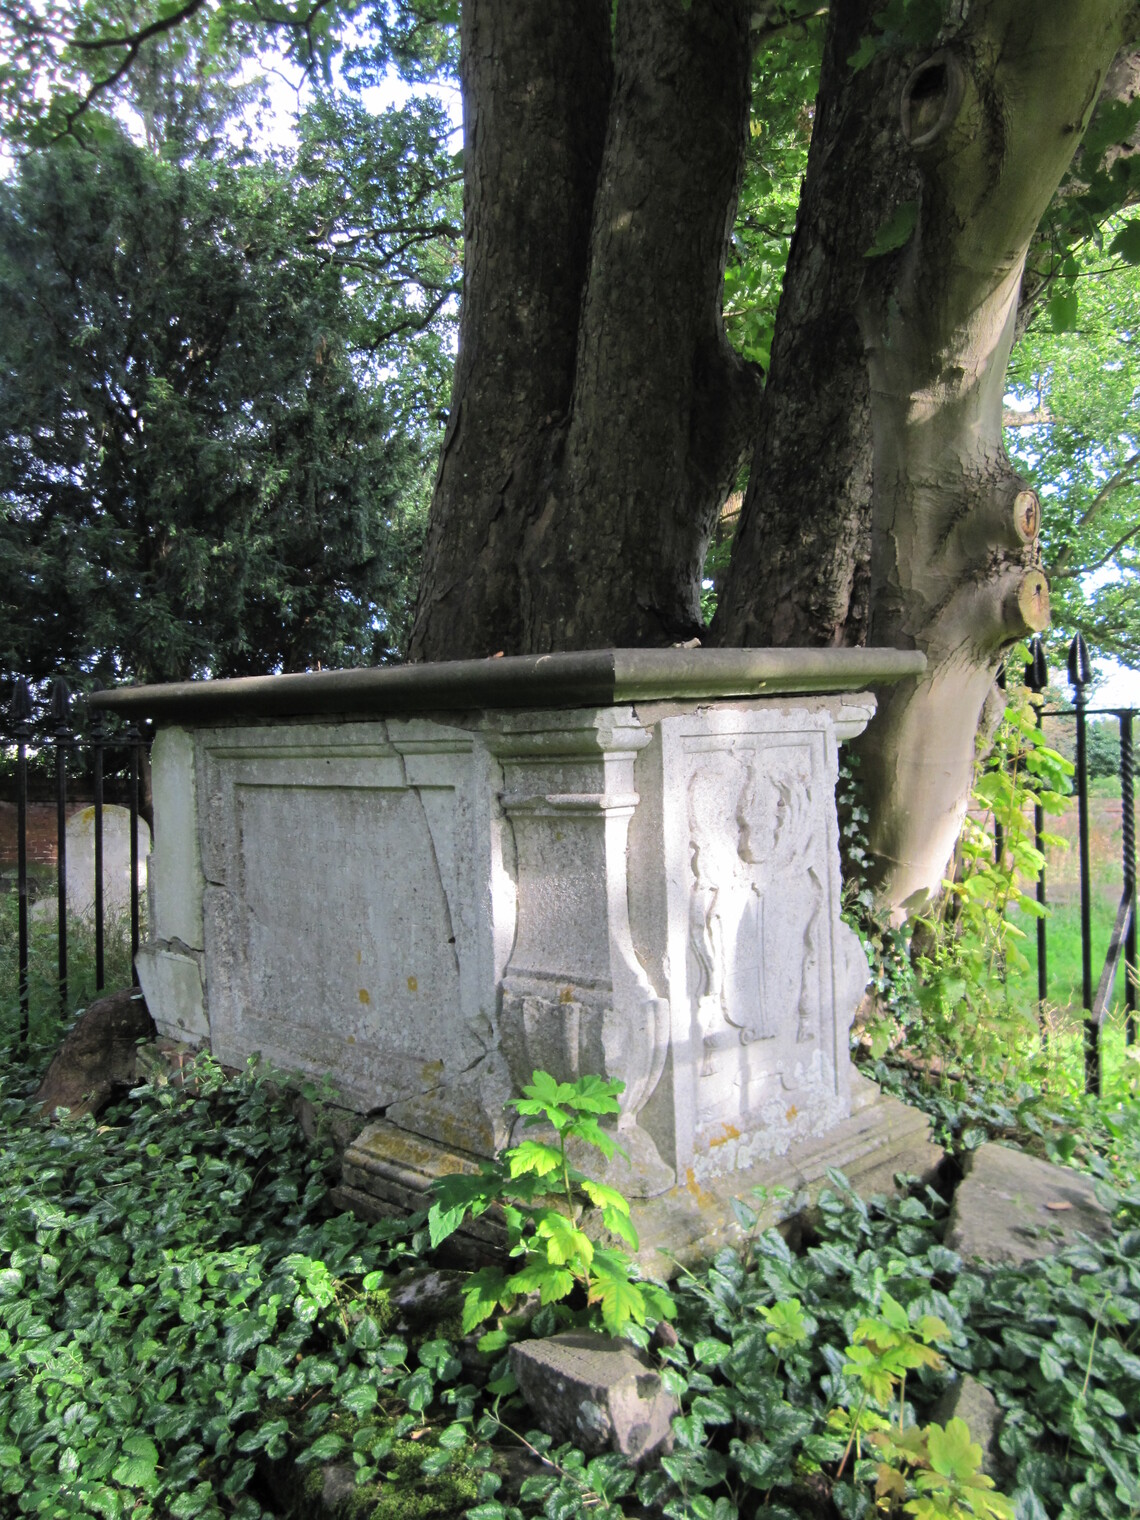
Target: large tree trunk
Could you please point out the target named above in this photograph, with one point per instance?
(881, 503)
(598, 414)
(536, 87)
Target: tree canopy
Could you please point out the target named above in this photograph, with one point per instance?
(626, 167)
(218, 388)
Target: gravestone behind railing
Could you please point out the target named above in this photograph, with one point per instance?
(33, 727)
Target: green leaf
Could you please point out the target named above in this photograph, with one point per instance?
(137, 1466)
(550, 1281)
(603, 1196)
(323, 1449)
(196, 1500)
(482, 1294)
(360, 1400)
(587, 1128)
(895, 231)
(453, 1436)
(619, 1299)
(533, 1156)
(951, 1450)
(1062, 310)
(563, 1240)
(861, 57)
(620, 1224)
(1126, 243)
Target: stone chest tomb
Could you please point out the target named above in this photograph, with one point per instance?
(427, 882)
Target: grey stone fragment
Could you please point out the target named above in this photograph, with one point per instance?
(425, 1295)
(1011, 1208)
(597, 1392)
(338, 1485)
(969, 1400)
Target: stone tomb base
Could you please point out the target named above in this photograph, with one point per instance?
(384, 1171)
(427, 883)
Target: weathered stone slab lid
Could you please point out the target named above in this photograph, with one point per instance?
(579, 678)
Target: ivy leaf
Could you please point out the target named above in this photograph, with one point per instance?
(104, 1501)
(323, 1449)
(895, 231)
(137, 1466)
(360, 1400)
(243, 1333)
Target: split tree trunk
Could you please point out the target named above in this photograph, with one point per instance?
(599, 415)
(882, 505)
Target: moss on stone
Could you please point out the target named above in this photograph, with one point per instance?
(408, 1493)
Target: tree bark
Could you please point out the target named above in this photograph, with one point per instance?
(595, 431)
(899, 442)
(536, 86)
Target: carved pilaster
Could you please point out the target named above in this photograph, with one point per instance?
(576, 998)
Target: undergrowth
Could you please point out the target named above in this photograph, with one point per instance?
(179, 1311)
(188, 1329)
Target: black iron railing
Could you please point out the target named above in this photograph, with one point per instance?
(1122, 942)
(53, 728)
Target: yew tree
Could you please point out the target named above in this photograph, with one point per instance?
(600, 417)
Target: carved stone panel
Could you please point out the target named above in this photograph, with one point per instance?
(762, 971)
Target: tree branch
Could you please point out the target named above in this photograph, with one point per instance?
(1112, 484)
(1064, 575)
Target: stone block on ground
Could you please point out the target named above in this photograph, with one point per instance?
(597, 1392)
(969, 1400)
(1011, 1208)
(425, 1295)
(99, 1054)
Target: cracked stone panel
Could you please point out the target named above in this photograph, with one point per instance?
(345, 931)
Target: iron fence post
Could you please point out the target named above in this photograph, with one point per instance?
(20, 715)
(1037, 679)
(98, 738)
(134, 740)
(999, 830)
(1080, 674)
(1128, 829)
(61, 733)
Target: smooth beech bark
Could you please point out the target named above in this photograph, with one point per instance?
(882, 506)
